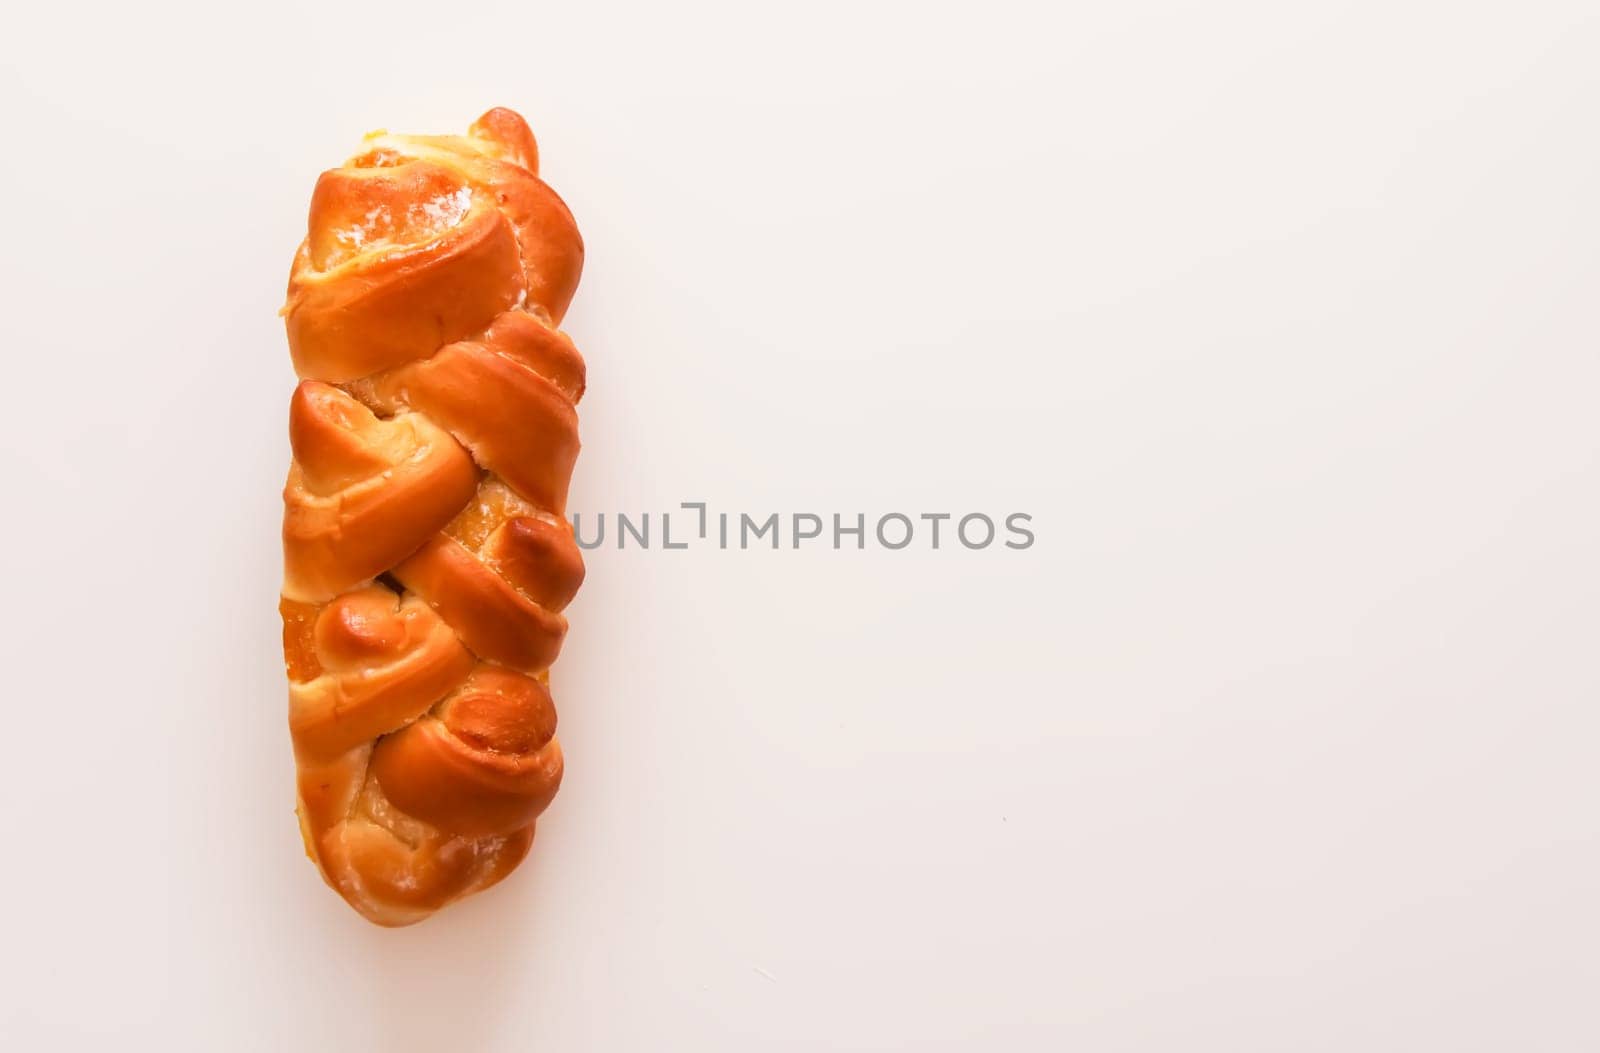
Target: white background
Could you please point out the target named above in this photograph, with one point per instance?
(1280, 319)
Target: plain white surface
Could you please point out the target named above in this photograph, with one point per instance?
(1280, 320)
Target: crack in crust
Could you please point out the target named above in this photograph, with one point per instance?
(427, 559)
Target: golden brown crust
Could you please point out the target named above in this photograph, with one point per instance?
(487, 764)
(363, 493)
(426, 560)
(496, 621)
(516, 423)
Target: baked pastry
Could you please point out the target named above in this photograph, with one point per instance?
(427, 557)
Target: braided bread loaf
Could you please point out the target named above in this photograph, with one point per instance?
(427, 557)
